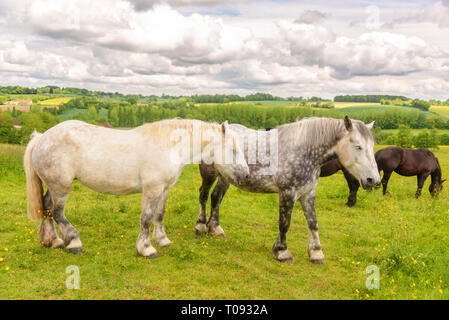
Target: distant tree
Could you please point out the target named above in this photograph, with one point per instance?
(6, 127)
(114, 117)
(271, 123)
(420, 104)
(391, 140)
(132, 99)
(444, 139)
(92, 114)
(404, 137)
(426, 139)
(35, 108)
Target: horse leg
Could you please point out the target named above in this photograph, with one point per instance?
(47, 230)
(213, 225)
(385, 179)
(314, 247)
(421, 179)
(150, 202)
(208, 175)
(353, 185)
(287, 199)
(69, 234)
(159, 232)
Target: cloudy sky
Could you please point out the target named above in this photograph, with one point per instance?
(287, 48)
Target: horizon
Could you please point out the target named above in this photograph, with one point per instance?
(187, 47)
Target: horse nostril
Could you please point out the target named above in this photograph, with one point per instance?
(370, 180)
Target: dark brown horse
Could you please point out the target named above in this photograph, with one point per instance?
(406, 162)
(333, 166)
(410, 162)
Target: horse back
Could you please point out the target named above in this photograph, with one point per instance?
(389, 158)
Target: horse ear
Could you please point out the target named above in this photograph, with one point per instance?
(348, 123)
(224, 126)
(370, 125)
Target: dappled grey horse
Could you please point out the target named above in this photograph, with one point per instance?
(301, 148)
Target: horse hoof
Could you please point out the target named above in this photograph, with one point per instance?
(58, 244)
(76, 250)
(219, 235)
(287, 261)
(217, 232)
(152, 256)
(318, 261)
(316, 256)
(164, 243)
(350, 204)
(284, 256)
(200, 229)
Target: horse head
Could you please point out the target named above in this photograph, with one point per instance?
(355, 152)
(436, 187)
(233, 162)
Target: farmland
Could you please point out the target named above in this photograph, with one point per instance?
(405, 238)
(54, 101)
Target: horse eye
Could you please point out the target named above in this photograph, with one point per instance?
(358, 147)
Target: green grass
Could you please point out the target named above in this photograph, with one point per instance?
(406, 238)
(73, 112)
(441, 110)
(360, 108)
(416, 131)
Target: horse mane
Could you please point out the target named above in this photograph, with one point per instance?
(160, 131)
(318, 131)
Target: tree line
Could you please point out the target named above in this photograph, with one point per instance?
(367, 98)
(126, 116)
(424, 139)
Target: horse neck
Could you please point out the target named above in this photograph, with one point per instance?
(436, 174)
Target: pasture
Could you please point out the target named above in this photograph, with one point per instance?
(406, 238)
(55, 101)
(441, 110)
(356, 104)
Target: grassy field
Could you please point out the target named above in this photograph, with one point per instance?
(416, 131)
(103, 113)
(356, 104)
(55, 101)
(441, 110)
(406, 238)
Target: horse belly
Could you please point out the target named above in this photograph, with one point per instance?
(259, 184)
(406, 171)
(112, 177)
(111, 187)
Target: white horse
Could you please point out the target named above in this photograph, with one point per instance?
(148, 159)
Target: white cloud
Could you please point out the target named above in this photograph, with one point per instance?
(435, 13)
(149, 47)
(142, 5)
(311, 17)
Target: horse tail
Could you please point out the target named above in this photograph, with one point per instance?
(34, 187)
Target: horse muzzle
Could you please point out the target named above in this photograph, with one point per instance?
(369, 183)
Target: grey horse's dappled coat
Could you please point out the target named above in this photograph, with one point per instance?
(302, 147)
